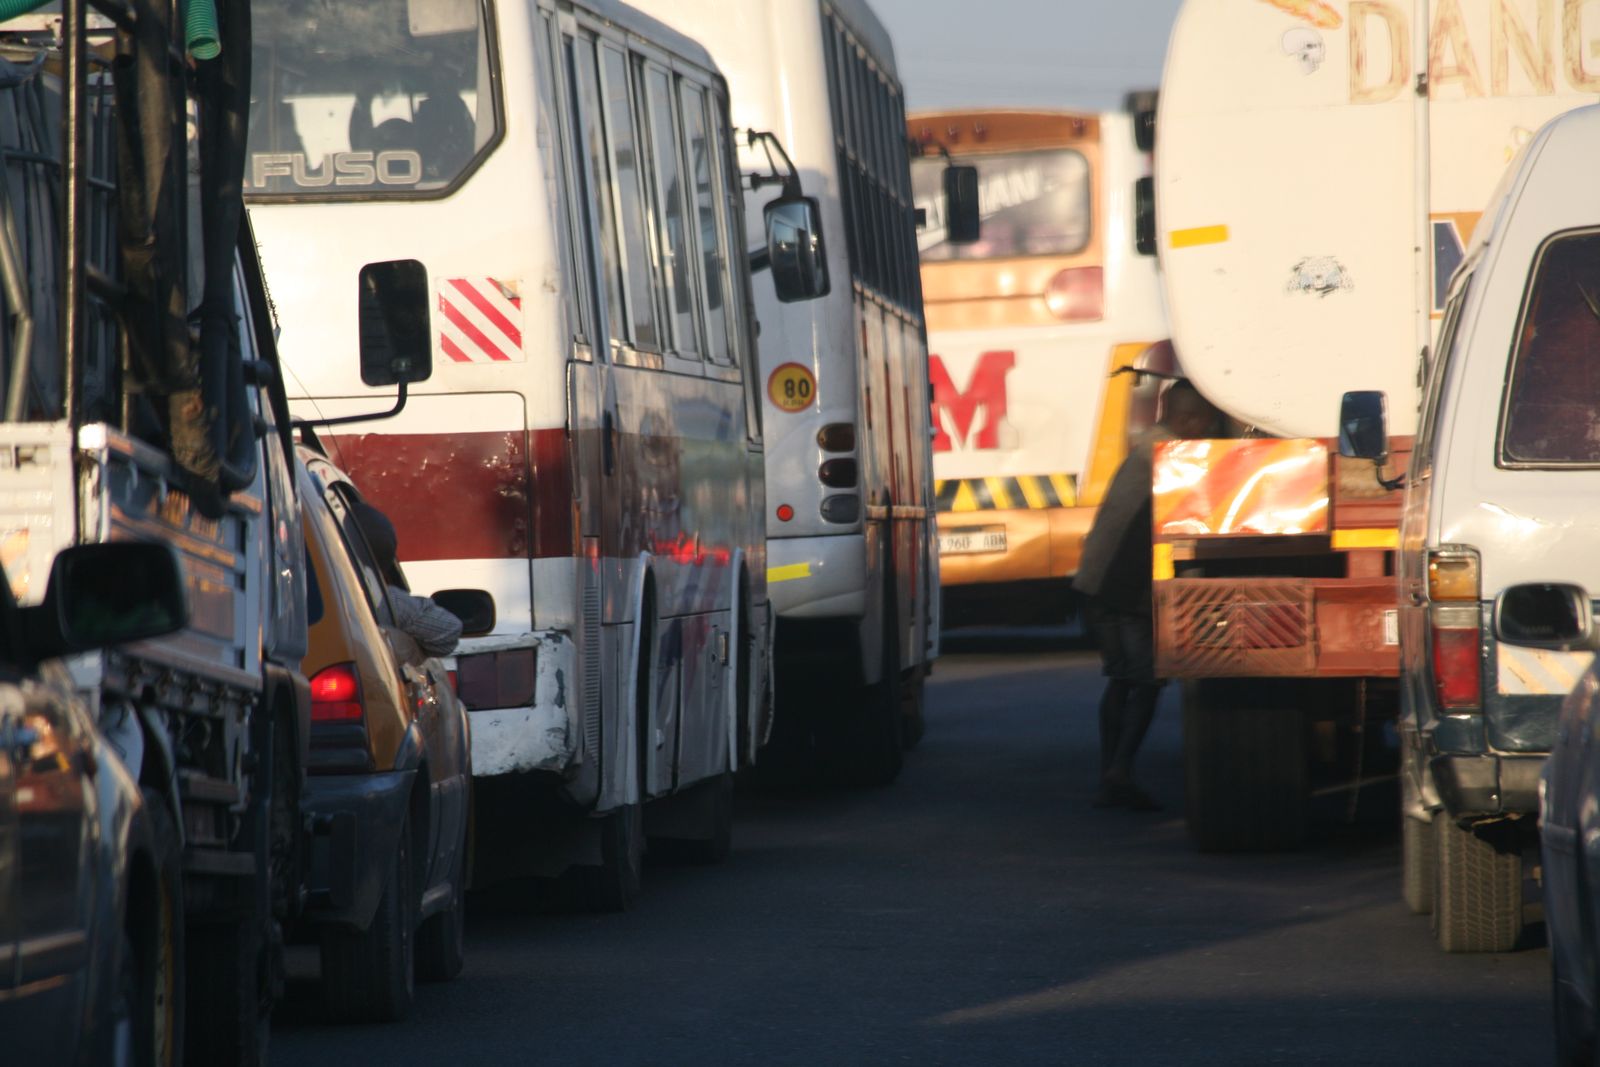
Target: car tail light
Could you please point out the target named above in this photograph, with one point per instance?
(496, 679)
(336, 694)
(1455, 621)
(1077, 294)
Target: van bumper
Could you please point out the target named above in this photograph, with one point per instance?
(1493, 784)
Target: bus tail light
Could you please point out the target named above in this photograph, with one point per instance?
(841, 508)
(336, 694)
(837, 473)
(837, 437)
(1077, 294)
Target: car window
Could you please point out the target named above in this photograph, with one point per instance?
(1551, 411)
(339, 499)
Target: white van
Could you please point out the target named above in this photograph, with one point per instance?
(1503, 488)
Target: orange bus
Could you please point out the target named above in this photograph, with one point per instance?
(1027, 328)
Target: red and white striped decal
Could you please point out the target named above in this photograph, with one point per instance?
(480, 321)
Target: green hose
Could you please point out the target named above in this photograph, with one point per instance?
(199, 28)
(10, 9)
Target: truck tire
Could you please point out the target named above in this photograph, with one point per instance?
(1477, 899)
(1246, 771)
(228, 1006)
(442, 938)
(150, 987)
(369, 975)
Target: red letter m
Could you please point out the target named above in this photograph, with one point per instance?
(986, 390)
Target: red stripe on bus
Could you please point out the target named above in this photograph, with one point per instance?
(492, 313)
(453, 350)
(467, 495)
(477, 336)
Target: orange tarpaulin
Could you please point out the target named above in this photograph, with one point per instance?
(1250, 486)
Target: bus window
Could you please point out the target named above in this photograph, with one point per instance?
(1033, 204)
(354, 98)
(671, 210)
(703, 161)
(630, 199)
(589, 124)
(567, 228)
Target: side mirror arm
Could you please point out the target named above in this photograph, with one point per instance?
(782, 169)
(343, 420)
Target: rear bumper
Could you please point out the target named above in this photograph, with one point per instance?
(1041, 543)
(1495, 784)
(818, 577)
(358, 818)
(1276, 627)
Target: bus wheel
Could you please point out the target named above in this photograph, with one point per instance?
(867, 746)
(1246, 769)
(614, 884)
(913, 724)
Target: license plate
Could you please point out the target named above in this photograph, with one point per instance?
(976, 539)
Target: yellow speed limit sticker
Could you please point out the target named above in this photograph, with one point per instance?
(792, 387)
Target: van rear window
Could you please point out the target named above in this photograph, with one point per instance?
(1551, 416)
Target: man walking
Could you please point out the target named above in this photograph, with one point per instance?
(1114, 575)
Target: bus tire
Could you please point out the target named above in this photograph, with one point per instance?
(1477, 896)
(370, 975)
(1247, 781)
(913, 723)
(615, 883)
(867, 748)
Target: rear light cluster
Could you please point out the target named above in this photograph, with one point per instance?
(336, 694)
(1454, 622)
(496, 679)
(839, 472)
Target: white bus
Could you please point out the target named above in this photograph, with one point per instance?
(852, 562)
(588, 448)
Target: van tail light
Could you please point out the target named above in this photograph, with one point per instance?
(336, 694)
(1077, 294)
(1456, 672)
(1453, 575)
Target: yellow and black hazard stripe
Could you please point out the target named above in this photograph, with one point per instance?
(1023, 491)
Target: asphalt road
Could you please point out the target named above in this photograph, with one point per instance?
(979, 911)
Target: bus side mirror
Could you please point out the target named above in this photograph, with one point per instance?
(1544, 615)
(396, 335)
(961, 204)
(795, 252)
(1363, 426)
(1144, 216)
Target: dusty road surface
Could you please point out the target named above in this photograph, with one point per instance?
(977, 912)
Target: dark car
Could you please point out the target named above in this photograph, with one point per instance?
(91, 940)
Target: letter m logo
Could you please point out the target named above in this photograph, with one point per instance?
(973, 415)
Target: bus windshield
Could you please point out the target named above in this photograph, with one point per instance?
(1032, 204)
(368, 97)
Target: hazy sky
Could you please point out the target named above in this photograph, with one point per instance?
(1059, 53)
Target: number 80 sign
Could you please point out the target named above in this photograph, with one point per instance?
(792, 387)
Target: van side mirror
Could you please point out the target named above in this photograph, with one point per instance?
(107, 594)
(795, 251)
(1364, 426)
(1144, 216)
(962, 220)
(474, 607)
(396, 335)
(1544, 615)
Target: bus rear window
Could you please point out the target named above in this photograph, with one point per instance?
(368, 97)
(1552, 400)
(1032, 204)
